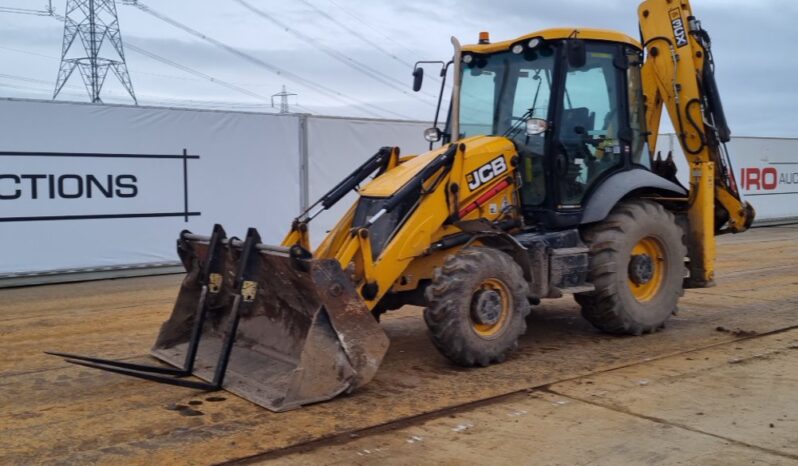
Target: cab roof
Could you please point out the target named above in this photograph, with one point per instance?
(555, 34)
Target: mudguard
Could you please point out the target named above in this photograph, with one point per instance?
(617, 186)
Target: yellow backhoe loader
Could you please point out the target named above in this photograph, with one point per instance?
(543, 184)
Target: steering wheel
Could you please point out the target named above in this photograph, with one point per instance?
(595, 141)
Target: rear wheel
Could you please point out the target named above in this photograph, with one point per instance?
(477, 305)
(637, 266)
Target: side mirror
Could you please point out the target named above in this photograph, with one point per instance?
(577, 54)
(418, 78)
(432, 134)
(536, 126)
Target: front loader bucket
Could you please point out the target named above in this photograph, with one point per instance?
(300, 332)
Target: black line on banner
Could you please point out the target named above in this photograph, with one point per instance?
(769, 194)
(185, 184)
(783, 163)
(99, 217)
(96, 155)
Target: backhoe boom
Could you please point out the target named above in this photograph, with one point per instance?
(678, 73)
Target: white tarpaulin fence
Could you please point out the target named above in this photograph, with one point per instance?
(87, 187)
(766, 170)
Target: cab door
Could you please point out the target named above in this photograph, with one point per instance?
(591, 114)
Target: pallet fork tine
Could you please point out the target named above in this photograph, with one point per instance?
(152, 373)
(76, 359)
(148, 375)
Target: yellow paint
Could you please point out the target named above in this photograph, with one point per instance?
(214, 283)
(490, 331)
(652, 248)
(388, 183)
(297, 235)
(336, 237)
(555, 34)
(701, 219)
(249, 289)
(478, 147)
(364, 241)
(739, 216)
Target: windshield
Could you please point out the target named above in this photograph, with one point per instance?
(499, 92)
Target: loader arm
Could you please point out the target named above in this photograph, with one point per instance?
(678, 73)
(425, 196)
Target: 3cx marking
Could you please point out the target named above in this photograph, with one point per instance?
(486, 172)
(679, 31)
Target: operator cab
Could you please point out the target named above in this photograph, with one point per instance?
(572, 103)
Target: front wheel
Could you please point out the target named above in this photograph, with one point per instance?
(637, 266)
(477, 306)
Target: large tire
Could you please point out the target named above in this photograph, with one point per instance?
(637, 266)
(477, 306)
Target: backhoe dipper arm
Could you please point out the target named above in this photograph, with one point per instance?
(678, 73)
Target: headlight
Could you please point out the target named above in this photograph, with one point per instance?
(534, 42)
(468, 59)
(517, 48)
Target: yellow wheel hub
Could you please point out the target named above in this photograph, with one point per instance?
(647, 267)
(491, 305)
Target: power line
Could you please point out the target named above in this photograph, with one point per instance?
(307, 110)
(365, 107)
(356, 33)
(368, 24)
(48, 11)
(38, 89)
(24, 78)
(365, 39)
(77, 91)
(377, 75)
(68, 90)
(27, 52)
(194, 72)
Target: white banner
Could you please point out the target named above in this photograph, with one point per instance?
(92, 186)
(766, 170)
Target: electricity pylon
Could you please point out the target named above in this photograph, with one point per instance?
(93, 22)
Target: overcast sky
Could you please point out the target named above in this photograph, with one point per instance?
(330, 41)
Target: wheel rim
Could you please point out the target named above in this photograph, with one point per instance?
(490, 308)
(646, 271)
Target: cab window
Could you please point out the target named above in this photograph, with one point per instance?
(588, 143)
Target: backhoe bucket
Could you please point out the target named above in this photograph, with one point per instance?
(296, 329)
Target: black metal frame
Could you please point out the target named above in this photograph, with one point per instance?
(443, 73)
(175, 376)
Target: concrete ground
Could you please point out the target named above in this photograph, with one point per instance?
(716, 387)
(734, 403)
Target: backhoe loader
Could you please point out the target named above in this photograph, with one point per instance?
(543, 184)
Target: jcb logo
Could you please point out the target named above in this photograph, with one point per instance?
(679, 32)
(486, 173)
